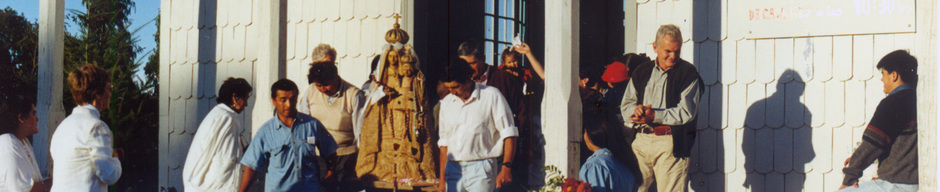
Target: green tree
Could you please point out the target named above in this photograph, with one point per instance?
(18, 61)
(104, 39)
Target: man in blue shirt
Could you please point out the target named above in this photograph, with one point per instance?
(284, 146)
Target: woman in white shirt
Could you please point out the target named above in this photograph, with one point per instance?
(81, 145)
(18, 168)
(212, 163)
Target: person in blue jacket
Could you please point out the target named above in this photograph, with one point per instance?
(608, 168)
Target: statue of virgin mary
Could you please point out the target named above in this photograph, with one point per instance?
(396, 144)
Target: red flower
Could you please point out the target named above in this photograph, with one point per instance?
(572, 185)
(584, 187)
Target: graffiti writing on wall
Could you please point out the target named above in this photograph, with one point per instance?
(775, 18)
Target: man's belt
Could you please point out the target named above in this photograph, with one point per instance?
(658, 130)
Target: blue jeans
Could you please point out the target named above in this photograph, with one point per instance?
(465, 176)
(881, 185)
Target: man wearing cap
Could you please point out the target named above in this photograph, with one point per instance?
(617, 75)
(660, 102)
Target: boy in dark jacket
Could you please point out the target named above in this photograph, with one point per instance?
(891, 136)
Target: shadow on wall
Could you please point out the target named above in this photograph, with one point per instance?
(707, 164)
(772, 141)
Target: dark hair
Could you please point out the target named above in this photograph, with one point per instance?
(283, 85)
(633, 60)
(231, 88)
(903, 63)
(11, 109)
(470, 48)
(322, 72)
(87, 82)
(605, 130)
(508, 52)
(442, 90)
(375, 63)
(458, 70)
(593, 74)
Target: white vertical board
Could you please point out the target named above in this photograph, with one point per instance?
(855, 103)
(756, 110)
(822, 58)
(745, 64)
(862, 56)
(835, 103)
(783, 150)
(728, 61)
(774, 105)
(764, 63)
(842, 58)
(803, 58)
(815, 103)
(708, 61)
(794, 107)
(783, 59)
(737, 111)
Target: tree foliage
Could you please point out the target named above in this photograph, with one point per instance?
(18, 61)
(104, 39)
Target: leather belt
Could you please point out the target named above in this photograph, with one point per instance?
(658, 130)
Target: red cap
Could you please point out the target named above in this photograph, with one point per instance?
(616, 72)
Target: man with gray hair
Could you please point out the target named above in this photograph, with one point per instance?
(323, 52)
(661, 102)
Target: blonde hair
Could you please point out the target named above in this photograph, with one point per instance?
(87, 82)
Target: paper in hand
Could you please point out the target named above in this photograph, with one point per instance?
(517, 41)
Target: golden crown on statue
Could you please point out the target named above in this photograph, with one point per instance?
(396, 34)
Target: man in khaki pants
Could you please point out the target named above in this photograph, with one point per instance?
(661, 102)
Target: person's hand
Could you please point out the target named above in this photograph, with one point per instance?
(643, 114)
(853, 185)
(648, 114)
(504, 177)
(846, 164)
(390, 91)
(330, 177)
(638, 111)
(522, 49)
(442, 185)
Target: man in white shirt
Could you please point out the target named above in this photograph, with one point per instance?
(81, 146)
(212, 161)
(476, 128)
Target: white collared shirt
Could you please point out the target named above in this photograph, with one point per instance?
(82, 151)
(475, 129)
(212, 161)
(18, 168)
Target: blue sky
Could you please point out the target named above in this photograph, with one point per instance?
(144, 11)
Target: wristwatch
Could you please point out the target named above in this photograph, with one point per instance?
(507, 164)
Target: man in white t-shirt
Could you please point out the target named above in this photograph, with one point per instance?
(476, 129)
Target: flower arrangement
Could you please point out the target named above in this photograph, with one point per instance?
(558, 182)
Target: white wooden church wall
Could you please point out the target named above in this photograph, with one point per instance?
(204, 42)
(777, 114)
(356, 29)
